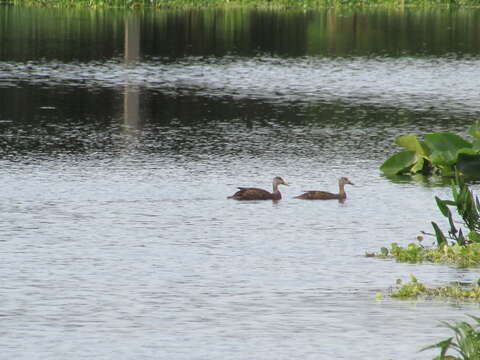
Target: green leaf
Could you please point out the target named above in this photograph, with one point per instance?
(398, 163)
(445, 147)
(441, 239)
(474, 129)
(442, 206)
(410, 142)
(418, 166)
(476, 145)
(443, 345)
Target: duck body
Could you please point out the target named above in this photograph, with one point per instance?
(320, 195)
(325, 195)
(255, 194)
(251, 193)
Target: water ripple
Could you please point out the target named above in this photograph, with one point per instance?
(413, 83)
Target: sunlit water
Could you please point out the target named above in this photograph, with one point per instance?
(419, 84)
(118, 241)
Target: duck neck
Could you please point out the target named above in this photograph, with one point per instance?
(341, 187)
(275, 188)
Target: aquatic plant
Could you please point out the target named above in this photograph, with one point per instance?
(439, 153)
(465, 342)
(415, 289)
(453, 248)
(460, 255)
(468, 208)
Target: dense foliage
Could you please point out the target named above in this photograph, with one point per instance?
(439, 153)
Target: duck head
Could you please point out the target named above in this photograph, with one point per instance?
(279, 181)
(344, 181)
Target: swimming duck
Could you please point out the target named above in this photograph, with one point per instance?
(325, 195)
(260, 194)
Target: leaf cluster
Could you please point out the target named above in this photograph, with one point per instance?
(468, 207)
(439, 153)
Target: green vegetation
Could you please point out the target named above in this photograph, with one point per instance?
(463, 256)
(468, 207)
(305, 4)
(455, 248)
(466, 342)
(439, 153)
(415, 289)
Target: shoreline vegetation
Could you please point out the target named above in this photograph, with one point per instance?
(266, 4)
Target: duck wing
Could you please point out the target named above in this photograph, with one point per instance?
(251, 194)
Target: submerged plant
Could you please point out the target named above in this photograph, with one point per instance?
(465, 342)
(440, 153)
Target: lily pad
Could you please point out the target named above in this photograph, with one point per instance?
(445, 147)
(410, 142)
(399, 163)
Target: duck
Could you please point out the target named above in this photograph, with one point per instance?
(325, 195)
(259, 194)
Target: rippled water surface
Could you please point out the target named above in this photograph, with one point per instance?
(117, 154)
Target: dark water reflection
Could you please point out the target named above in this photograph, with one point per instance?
(121, 134)
(84, 35)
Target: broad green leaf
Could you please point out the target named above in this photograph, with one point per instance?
(410, 142)
(469, 165)
(445, 147)
(398, 163)
(474, 129)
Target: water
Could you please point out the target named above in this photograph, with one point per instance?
(117, 238)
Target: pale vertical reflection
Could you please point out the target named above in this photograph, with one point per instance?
(131, 101)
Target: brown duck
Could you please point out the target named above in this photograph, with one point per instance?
(325, 195)
(260, 194)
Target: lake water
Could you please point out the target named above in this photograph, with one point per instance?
(122, 134)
